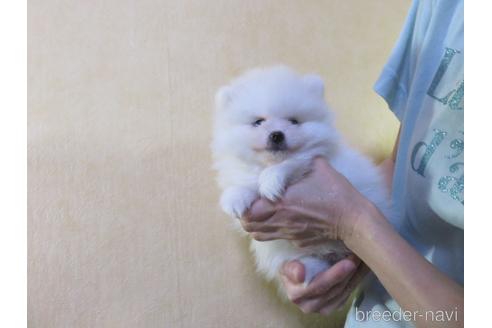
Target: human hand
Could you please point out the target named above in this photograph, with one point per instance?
(329, 291)
(323, 206)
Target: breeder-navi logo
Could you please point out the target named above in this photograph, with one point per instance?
(402, 315)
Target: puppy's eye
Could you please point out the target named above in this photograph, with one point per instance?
(258, 122)
(294, 121)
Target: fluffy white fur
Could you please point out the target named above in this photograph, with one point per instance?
(250, 165)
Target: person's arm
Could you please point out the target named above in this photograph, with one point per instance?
(414, 282)
(331, 288)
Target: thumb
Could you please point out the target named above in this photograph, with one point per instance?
(294, 271)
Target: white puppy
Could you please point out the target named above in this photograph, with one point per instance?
(269, 125)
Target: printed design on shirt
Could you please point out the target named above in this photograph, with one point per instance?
(451, 100)
(429, 151)
(458, 145)
(457, 100)
(454, 185)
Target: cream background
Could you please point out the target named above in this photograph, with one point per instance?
(123, 226)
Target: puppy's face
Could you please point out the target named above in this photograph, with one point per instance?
(269, 115)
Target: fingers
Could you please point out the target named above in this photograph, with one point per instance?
(256, 226)
(294, 271)
(335, 298)
(312, 305)
(307, 242)
(361, 272)
(267, 236)
(262, 236)
(331, 277)
(335, 304)
(339, 301)
(261, 210)
(329, 291)
(328, 301)
(264, 226)
(265, 231)
(321, 285)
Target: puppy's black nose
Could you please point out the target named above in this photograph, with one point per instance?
(277, 137)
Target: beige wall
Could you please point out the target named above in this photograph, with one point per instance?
(124, 228)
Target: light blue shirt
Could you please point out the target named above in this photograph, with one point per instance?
(423, 84)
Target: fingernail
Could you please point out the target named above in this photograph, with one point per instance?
(349, 267)
(295, 272)
(291, 271)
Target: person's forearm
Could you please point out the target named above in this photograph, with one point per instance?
(414, 282)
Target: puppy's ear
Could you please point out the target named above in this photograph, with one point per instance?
(223, 97)
(315, 84)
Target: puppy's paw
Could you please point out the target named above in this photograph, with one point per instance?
(272, 183)
(236, 200)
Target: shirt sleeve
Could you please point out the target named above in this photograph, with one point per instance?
(395, 79)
